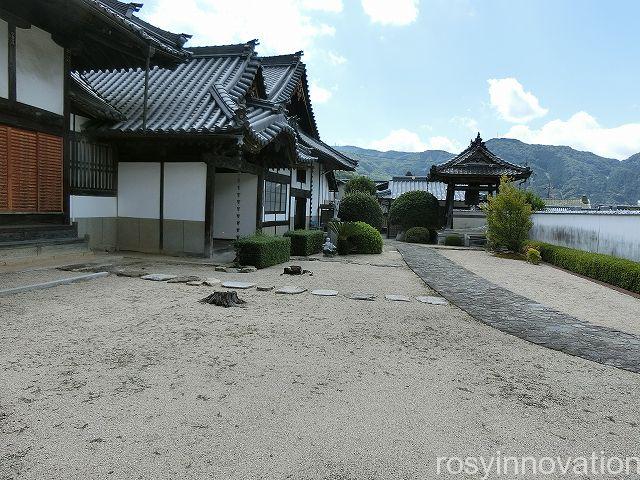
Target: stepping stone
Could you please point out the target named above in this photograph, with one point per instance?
(362, 296)
(158, 277)
(264, 288)
(432, 300)
(184, 279)
(397, 298)
(240, 285)
(130, 273)
(211, 282)
(196, 283)
(247, 269)
(325, 293)
(291, 290)
(221, 268)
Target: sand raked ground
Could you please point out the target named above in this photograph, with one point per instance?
(121, 378)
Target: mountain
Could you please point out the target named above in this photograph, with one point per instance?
(563, 171)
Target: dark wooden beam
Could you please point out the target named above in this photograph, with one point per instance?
(12, 63)
(66, 145)
(161, 213)
(236, 164)
(275, 223)
(277, 177)
(209, 209)
(259, 201)
(301, 193)
(30, 118)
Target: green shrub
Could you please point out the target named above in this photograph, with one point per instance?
(508, 217)
(263, 251)
(533, 199)
(360, 184)
(418, 235)
(616, 271)
(356, 237)
(415, 209)
(454, 241)
(533, 256)
(361, 207)
(305, 242)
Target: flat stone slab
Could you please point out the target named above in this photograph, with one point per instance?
(324, 293)
(432, 300)
(195, 283)
(211, 282)
(221, 268)
(362, 296)
(397, 298)
(247, 269)
(184, 279)
(520, 316)
(239, 285)
(291, 290)
(158, 277)
(131, 273)
(265, 288)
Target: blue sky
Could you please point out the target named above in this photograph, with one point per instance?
(420, 74)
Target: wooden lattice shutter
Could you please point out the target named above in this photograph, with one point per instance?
(23, 170)
(49, 173)
(4, 169)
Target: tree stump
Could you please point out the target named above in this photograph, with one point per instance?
(223, 299)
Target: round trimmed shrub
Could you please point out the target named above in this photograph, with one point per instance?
(366, 239)
(533, 256)
(417, 235)
(415, 209)
(361, 207)
(360, 184)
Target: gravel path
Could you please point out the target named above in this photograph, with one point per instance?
(122, 378)
(561, 290)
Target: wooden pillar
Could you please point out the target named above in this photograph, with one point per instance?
(66, 140)
(451, 190)
(208, 211)
(161, 212)
(260, 200)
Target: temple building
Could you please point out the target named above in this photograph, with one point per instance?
(474, 170)
(158, 147)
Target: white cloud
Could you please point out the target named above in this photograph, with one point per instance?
(334, 6)
(583, 132)
(336, 58)
(509, 98)
(468, 123)
(282, 26)
(319, 94)
(391, 12)
(403, 140)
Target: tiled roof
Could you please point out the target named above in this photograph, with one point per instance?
(85, 99)
(167, 42)
(478, 160)
(327, 153)
(402, 184)
(201, 95)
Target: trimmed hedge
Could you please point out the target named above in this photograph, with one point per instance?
(263, 251)
(416, 208)
(305, 242)
(616, 271)
(418, 235)
(453, 241)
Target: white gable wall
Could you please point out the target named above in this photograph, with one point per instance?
(39, 70)
(4, 59)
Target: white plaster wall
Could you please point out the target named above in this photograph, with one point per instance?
(139, 189)
(225, 205)
(185, 191)
(39, 70)
(4, 59)
(85, 206)
(608, 233)
(298, 184)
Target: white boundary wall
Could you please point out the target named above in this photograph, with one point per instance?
(614, 232)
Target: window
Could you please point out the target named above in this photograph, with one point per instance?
(93, 167)
(30, 171)
(275, 197)
(301, 175)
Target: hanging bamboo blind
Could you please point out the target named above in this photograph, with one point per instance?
(30, 171)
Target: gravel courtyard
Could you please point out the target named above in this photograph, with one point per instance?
(121, 378)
